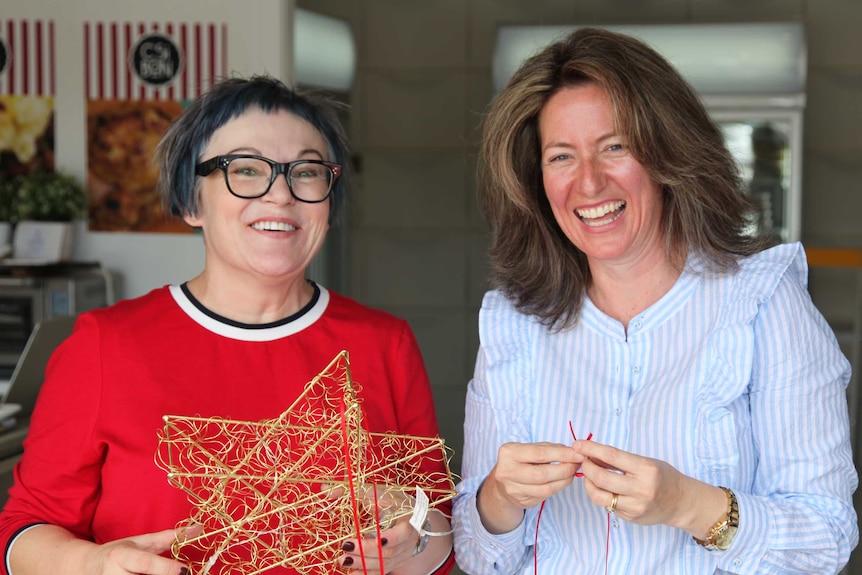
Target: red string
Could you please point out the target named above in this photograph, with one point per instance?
(377, 528)
(376, 509)
(589, 437)
(353, 502)
(350, 483)
(608, 543)
(542, 508)
(536, 543)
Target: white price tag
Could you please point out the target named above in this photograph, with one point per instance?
(420, 511)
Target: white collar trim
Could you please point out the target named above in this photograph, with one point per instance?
(252, 334)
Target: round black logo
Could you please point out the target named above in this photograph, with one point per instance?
(4, 56)
(155, 59)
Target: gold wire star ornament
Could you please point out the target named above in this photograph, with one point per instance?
(287, 492)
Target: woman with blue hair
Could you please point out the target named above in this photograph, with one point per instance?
(260, 169)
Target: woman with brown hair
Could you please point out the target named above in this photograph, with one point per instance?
(654, 391)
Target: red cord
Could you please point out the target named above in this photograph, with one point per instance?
(542, 508)
(589, 437)
(377, 527)
(536, 544)
(353, 502)
(350, 483)
(608, 543)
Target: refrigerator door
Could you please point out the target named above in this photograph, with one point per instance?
(767, 145)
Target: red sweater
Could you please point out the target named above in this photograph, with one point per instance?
(88, 462)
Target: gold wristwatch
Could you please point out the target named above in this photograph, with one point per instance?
(722, 533)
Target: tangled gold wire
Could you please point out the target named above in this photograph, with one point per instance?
(288, 491)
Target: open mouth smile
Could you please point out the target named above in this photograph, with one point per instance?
(602, 215)
(273, 226)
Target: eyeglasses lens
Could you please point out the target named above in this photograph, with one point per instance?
(248, 177)
(310, 181)
(251, 177)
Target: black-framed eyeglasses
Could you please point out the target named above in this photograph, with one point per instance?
(248, 176)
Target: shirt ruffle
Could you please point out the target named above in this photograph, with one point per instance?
(730, 349)
(508, 357)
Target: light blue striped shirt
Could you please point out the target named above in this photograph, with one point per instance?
(735, 380)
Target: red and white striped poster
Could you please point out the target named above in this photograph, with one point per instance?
(109, 54)
(137, 78)
(27, 86)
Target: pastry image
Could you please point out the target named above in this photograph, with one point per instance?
(26, 134)
(121, 139)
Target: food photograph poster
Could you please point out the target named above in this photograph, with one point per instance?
(138, 78)
(27, 88)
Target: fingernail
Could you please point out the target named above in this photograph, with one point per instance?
(348, 546)
(348, 561)
(184, 571)
(384, 541)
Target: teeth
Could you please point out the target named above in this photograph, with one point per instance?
(273, 226)
(593, 213)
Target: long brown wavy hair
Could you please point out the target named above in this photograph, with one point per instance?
(668, 131)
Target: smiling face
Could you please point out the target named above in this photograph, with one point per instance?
(601, 196)
(274, 236)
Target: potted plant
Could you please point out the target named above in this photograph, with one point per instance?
(44, 196)
(45, 205)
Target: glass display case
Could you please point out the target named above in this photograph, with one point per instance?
(767, 145)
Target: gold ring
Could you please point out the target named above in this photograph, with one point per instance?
(613, 506)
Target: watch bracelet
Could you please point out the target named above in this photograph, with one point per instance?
(423, 537)
(730, 520)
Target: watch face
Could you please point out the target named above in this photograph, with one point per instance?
(725, 538)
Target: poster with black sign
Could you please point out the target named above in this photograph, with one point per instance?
(27, 83)
(138, 78)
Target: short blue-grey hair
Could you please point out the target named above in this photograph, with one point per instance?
(180, 149)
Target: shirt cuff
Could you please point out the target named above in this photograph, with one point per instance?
(494, 546)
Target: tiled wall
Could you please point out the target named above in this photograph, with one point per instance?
(416, 239)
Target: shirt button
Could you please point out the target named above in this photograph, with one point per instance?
(618, 411)
(637, 369)
(636, 325)
(616, 523)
